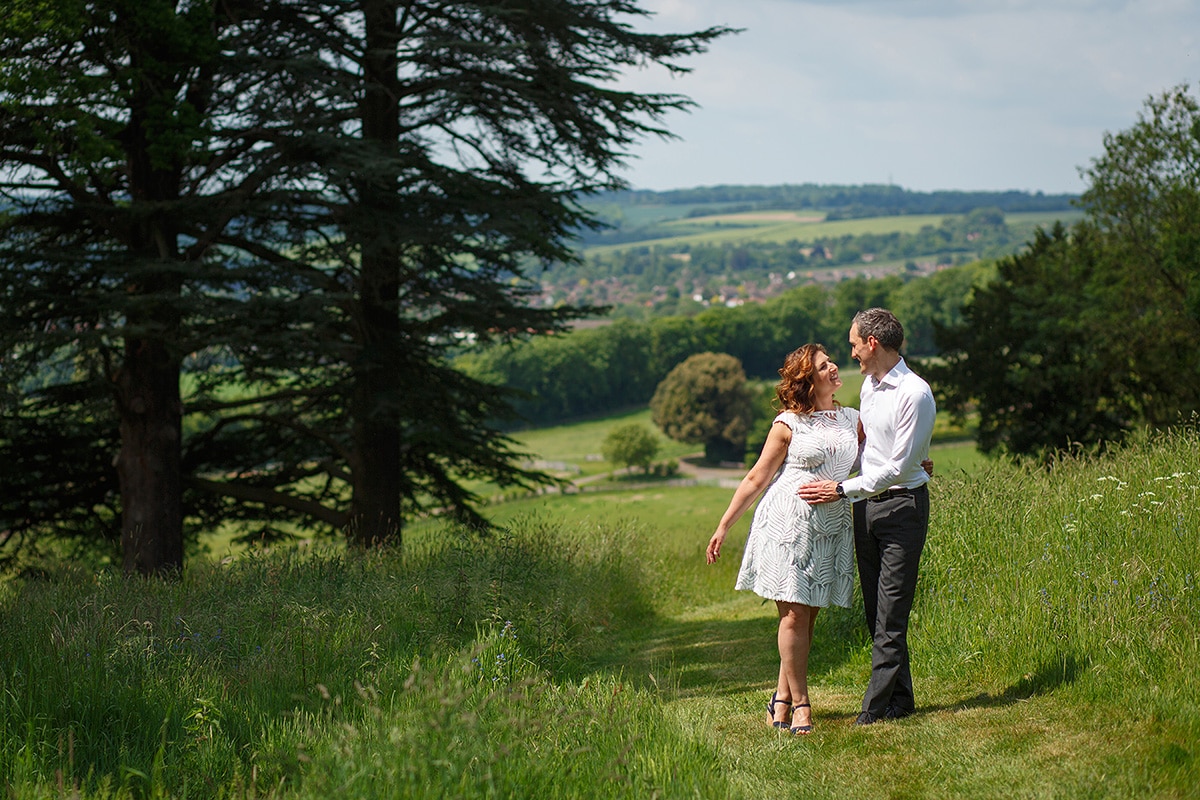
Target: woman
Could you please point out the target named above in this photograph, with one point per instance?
(799, 555)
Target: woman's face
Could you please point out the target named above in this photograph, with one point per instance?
(825, 376)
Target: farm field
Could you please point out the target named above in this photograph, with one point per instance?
(780, 227)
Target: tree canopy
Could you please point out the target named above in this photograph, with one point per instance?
(296, 211)
(705, 400)
(1094, 331)
(631, 445)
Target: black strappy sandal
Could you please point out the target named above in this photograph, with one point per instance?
(774, 701)
(800, 730)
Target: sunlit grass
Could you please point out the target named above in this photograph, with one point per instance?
(781, 227)
(580, 443)
(584, 649)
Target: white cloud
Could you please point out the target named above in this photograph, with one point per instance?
(928, 94)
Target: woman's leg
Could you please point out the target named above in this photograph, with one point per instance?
(796, 623)
(781, 701)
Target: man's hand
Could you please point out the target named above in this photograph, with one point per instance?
(818, 492)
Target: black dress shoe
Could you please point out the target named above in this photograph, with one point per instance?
(866, 718)
(894, 712)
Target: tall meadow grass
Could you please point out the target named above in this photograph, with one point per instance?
(441, 670)
(1087, 567)
(1057, 608)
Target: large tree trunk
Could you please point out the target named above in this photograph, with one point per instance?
(375, 515)
(148, 464)
(147, 383)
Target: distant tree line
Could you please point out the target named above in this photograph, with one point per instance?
(602, 369)
(872, 199)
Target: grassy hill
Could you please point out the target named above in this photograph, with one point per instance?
(585, 650)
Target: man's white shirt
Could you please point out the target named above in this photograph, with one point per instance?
(897, 415)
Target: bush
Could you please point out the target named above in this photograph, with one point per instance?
(631, 445)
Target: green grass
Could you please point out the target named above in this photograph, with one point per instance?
(579, 444)
(729, 229)
(759, 227)
(1056, 621)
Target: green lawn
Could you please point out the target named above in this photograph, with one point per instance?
(579, 444)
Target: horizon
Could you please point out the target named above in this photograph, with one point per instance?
(840, 185)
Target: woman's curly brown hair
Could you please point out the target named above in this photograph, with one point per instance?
(795, 389)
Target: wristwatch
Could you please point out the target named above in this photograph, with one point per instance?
(840, 491)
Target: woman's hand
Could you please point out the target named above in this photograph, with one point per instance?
(714, 547)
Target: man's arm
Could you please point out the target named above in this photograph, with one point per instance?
(910, 445)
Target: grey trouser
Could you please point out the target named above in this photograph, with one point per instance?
(889, 534)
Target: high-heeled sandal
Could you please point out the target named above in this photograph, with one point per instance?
(774, 701)
(800, 730)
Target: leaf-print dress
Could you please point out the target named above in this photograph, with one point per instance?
(802, 553)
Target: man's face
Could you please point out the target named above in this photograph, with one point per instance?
(860, 351)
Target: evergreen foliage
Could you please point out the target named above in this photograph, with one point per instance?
(299, 208)
(127, 158)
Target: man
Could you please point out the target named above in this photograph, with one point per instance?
(897, 412)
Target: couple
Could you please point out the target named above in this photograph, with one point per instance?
(799, 550)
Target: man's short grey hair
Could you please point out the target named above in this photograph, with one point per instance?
(883, 325)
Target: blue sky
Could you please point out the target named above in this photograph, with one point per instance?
(925, 94)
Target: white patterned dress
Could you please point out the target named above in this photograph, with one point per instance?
(796, 552)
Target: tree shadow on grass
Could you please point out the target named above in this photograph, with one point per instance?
(1054, 672)
(719, 658)
(714, 657)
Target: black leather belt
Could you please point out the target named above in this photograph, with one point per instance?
(893, 493)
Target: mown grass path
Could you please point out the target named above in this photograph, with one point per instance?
(1036, 737)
